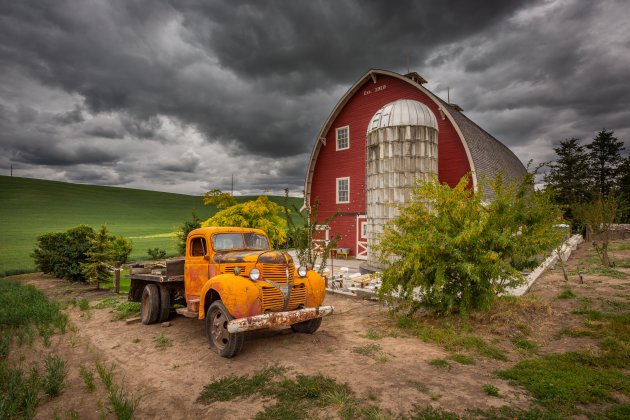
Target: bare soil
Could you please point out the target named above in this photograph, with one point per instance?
(169, 380)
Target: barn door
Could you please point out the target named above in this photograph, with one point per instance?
(362, 244)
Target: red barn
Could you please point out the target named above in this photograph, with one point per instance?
(383, 134)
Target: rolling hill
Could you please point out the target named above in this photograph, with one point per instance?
(31, 207)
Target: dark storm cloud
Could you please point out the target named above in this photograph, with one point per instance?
(149, 89)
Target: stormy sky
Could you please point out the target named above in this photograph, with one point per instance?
(179, 95)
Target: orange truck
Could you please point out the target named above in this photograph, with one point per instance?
(231, 278)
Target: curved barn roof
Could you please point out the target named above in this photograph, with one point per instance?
(486, 155)
(403, 112)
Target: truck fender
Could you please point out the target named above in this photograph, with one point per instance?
(316, 289)
(240, 296)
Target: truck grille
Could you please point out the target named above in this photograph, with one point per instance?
(229, 268)
(277, 273)
(273, 299)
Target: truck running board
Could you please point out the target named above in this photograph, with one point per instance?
(277, 319)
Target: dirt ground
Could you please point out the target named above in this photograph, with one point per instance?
(168, 381)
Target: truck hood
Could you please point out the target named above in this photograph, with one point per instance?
(262, 257)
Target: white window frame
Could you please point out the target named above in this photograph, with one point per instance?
(337, 190)
(347, 128)
(364, 232)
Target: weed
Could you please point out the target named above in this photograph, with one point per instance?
(491, 390)
(372, 396)
(440, 363)
(374, 335)
(464, 360)
(566, 294)
(124, 404)
(162, 342)
(106, 374)
(84, 305)
(88, 378)
(127, 310)
(230, 387)
(419, 386)
(373, 351)
(136, 340)
(435, 397)
(108, 302)
(55, 375)
(524, 344)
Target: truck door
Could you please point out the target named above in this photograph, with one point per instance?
(196, 267)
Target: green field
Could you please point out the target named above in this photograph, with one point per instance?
(30, 207)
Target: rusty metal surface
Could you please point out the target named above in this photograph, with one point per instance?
(277, 319)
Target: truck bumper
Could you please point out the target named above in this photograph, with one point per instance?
(277, 319)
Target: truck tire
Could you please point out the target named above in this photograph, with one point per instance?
(307, 327)
(150, 304)
(165, 304)
(220, 340)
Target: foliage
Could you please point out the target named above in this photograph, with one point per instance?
(120, 249)
(599, 216)
(18, 392)
(56, 372)
(219, 199)
(230, 387)
(569, 175)
(302, 235)
(605, 159)
(261, 213)
(491, 390)
(156, 253)
(62, 253)
(451, 251)
(188, 226)
(99, 256)
(624, 191)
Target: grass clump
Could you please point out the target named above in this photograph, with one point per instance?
(18, 392)
(440, 363)
(127, 310)
(106, 373)
(462, 359)
(372, 334)
(55, 375)
(566, 294)
(162, 342)
(560, 381)
(524, 344)
(373, 351)
(108, 302)
(88, 378)
(84, 305)
(431, 413)
(123, 403)
(491, 390)
(230, 387)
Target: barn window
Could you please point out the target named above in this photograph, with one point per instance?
(343, 190)
(343, 138)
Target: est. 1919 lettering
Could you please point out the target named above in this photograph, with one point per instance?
(376, 89)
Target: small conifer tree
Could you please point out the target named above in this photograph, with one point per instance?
(99, 258)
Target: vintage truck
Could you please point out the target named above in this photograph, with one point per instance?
(231, 278)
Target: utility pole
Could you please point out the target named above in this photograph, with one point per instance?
(11, 169)
(232, 185)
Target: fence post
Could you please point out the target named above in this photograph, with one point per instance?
(117, 278)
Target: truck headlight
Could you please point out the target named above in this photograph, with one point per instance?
(254, 274)
(302, 271)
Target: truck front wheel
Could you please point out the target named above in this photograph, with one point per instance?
(150, 304)
(222, 342)
(308, 327)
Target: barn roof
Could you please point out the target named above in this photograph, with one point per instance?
(487, 156)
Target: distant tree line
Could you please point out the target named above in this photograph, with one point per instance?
(584, 174)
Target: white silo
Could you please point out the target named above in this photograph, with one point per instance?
(402, 146)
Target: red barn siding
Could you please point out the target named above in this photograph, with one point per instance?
(332, 164)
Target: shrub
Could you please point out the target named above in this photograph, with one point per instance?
(156, 253)
(187, 227)
(453, 251)
(62, 253)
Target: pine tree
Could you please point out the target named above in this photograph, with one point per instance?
(569, 176)
(99, 258)
(605, 159)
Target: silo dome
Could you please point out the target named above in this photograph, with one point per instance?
(403, 112)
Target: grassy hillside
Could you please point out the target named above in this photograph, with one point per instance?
(30, 207)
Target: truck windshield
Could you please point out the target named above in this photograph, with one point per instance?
(256, 241)
(230, 241)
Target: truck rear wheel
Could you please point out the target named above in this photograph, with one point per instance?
(307, 327)
(222, 342)
(150, 304)
(165, 304)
